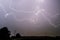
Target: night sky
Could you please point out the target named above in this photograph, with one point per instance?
(31, 17)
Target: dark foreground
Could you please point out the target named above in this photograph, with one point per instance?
(37, 38)
(5, 35)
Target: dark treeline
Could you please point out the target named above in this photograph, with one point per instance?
(5, 35)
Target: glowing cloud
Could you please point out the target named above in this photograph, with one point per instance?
(6, 15)
(40, 1)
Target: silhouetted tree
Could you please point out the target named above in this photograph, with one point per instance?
(13, 37)
(18, 35)
(4, 33)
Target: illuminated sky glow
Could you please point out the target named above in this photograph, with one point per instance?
(31, 16)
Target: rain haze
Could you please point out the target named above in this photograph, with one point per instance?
(31, 17)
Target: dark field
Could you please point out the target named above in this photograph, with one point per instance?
(37, 38)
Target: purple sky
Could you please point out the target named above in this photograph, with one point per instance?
(31, 17)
